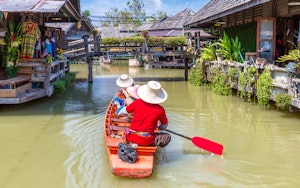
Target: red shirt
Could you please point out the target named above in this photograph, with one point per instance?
(145, 119)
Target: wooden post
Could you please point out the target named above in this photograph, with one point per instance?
(88, 58)
(47, 79)
(97, 45)
(186, 68)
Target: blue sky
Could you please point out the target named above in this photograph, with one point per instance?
(171, 7)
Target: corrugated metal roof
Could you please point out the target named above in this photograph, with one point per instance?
(218, 8)
(65, 26)
(31, 6)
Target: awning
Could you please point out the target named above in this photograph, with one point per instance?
(31, 6)
(65, 26)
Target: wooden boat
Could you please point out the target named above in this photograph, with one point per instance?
(106, 59)
(113, 130)
(135, 63)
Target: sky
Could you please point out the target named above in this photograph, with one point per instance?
(171, 7)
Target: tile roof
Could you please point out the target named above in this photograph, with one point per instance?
(175, 22)
(219, 8)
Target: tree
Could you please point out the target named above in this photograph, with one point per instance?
(136, 8)
(134, 14)
(86, 14)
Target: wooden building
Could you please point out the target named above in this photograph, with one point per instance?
(43, 20)
(268, 29)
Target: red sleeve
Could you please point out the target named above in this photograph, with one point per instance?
(130, 107)
(163, 118)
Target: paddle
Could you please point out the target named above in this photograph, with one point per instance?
(203, 143)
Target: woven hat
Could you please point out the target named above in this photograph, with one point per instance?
(124, 81)
(132, 91)
(152, 93)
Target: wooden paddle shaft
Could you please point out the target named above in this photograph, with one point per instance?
(178, 134)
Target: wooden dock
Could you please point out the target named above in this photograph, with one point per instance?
(34, 80)
(170, 65)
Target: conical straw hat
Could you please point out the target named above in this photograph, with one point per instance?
(152, 93)
(124, 81)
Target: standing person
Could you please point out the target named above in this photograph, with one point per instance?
(147, 115)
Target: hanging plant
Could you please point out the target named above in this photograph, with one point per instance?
(196, 76)
(247, 83)
(11, 50)
(264, 88)
(220, 82)
(233, 74)
(283, 101)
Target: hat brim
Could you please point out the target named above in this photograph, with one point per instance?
(124, 83)
(150, 96)
(132, 91)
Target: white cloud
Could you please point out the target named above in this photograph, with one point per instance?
(157, 3)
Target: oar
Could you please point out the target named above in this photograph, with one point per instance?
(203, 143)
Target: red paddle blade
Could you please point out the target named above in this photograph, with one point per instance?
(208, 145)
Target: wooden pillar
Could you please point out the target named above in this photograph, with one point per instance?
(47, 79)
(97, 45)
(186, 68)
(88, 58)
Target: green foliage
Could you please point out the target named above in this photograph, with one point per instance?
(111, 41)
(229, 48)
(61, 85)
(264, 88)
(95, 32)
(208, 53)
(196, 76)
(152, 41)
(219, 82)
(133, 14)
(69, 78)
(175, 41)
(11, 48)
(283, 101)
(246, 83)
(48, 59)
(233, 74)
(156, 41)
(293, 56)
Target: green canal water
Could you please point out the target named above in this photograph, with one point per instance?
(58, 142)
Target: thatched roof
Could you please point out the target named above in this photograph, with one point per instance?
(218, 8)
(175, 22)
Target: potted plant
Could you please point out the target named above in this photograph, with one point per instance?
(11, 50)
(294, 60)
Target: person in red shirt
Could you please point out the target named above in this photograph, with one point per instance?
(147, 115)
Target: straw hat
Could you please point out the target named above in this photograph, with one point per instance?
(124, 81)
(132, 91)
(152, 93)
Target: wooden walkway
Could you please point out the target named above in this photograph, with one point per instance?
(170, 65)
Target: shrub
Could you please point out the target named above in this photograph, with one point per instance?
(283, 101)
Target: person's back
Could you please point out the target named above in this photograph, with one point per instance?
(146, 118)
(148, 115)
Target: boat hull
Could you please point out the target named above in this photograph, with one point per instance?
(113, 130)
